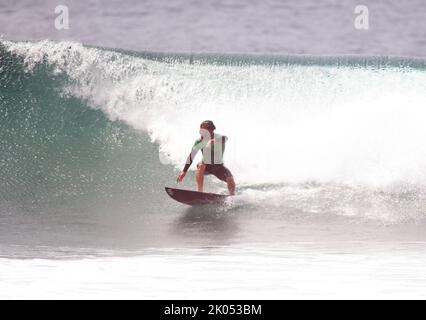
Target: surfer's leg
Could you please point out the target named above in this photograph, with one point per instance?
(223, 173)
(201, 167)
(231, 185)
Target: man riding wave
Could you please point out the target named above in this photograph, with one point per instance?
(212, 146)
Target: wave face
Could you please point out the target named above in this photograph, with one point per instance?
(77, 120)
(55, 148)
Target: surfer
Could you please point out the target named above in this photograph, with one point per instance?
(212, 146)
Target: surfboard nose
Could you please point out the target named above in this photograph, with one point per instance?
(169, 191)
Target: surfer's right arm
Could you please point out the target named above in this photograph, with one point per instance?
(198, 145)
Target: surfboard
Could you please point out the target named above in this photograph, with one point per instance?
(194, 198)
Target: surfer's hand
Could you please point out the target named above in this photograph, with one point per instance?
(181, 176)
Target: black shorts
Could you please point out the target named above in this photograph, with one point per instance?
(219, 170)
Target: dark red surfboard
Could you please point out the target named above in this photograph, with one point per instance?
(194, 198)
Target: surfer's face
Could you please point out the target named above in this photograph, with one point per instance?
(204, 132)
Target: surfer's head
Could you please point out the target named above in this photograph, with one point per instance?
(206, 129)
(207, 125)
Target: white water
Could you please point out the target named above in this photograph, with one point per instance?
(220, 273)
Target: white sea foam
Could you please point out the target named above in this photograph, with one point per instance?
(219, 274)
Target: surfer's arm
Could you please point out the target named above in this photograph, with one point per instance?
(187, 165)
(195, 148)
(189, 160)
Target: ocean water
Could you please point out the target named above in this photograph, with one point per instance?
(328, 152)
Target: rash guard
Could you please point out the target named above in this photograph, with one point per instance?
(212, 150)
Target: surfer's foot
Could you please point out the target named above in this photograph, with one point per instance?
(231, 185)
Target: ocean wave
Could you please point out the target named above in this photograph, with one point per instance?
(72, 114)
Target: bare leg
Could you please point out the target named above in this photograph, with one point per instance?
(200, 176)
(231, 185)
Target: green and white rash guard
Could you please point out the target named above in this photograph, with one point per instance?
(212, 150)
